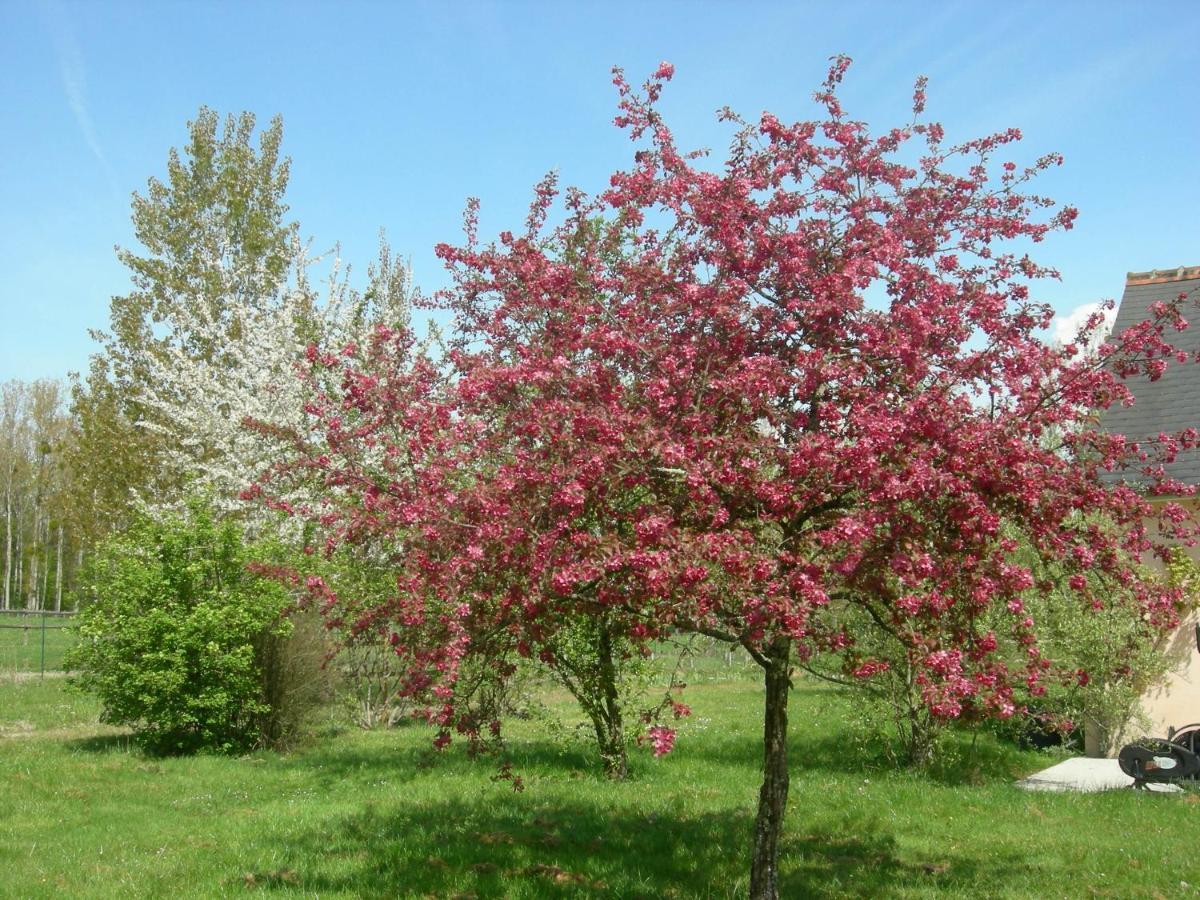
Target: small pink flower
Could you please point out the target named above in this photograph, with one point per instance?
(870, 668)
(663, 739)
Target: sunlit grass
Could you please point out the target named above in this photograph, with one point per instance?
(377, 814)
(25, 643)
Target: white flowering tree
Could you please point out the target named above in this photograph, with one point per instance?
(199, 402)
(222, 306)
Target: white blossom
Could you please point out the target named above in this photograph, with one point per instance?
(201, 400)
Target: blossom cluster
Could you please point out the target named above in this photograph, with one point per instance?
(678, 409)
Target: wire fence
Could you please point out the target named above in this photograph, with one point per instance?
(34, 640)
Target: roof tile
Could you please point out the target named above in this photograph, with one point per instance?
(1173, 402)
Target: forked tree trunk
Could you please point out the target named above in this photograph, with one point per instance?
(772, 798)
(595, 686)
(918, 738)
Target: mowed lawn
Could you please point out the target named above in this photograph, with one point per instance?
(377, 814)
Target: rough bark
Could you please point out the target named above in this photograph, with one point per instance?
(610, 726)
(772, 798)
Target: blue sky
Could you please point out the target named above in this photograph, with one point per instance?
(395, 113)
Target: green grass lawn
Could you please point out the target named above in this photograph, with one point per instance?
(377, 814)
(21, 646)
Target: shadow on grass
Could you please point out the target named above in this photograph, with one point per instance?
(334, 764)
(527, 848)
(965, 762)
(570, 835)
(432, 825)
(104, 743)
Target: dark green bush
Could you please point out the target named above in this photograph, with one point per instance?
(179, 640)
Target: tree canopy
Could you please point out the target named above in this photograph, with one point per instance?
(806, 379)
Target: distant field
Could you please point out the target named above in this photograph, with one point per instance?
(21, 642)
(378, 814)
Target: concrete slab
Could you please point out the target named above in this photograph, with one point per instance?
(1086, 776)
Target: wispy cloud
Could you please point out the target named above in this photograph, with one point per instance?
(73, 73)
(1072, 89)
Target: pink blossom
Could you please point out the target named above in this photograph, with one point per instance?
(663, 739)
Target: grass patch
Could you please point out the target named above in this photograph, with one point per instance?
(377, 814)
(33, 706)
(21, 648)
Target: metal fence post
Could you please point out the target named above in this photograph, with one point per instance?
(42, 676)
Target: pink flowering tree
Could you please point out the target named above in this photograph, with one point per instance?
(731, 400)
(384, 468)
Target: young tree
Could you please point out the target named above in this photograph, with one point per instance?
(810, 378)
(216, 242)
(370, 438)
(109, 457)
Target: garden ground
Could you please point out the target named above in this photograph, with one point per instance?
(378, 814)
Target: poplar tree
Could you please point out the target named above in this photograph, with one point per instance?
(214, 237)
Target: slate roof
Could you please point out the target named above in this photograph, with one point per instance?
(1173, 402)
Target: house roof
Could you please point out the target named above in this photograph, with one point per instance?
(1173, 402)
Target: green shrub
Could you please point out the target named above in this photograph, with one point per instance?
(295, 676)
(1123, 654)
(176, 635)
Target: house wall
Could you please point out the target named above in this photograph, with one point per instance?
(1168, 404)
(1173, 703)
(1177, 701)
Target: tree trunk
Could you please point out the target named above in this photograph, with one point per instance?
(772, 798)
(44, 588)
(612, 741)
(921, 736)
(34, 583)
(594, 684)
(78, 569)
(20, 566)
(58, 575)
(610, 738)
(8, 545)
